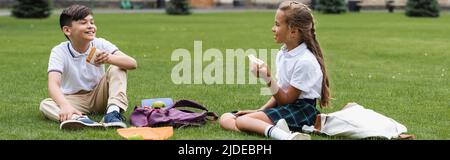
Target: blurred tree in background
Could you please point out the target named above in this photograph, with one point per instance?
(31, 9)
(422, 8)
(178, 7)
(332, 6)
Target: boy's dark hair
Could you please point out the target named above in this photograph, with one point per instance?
(73, 13)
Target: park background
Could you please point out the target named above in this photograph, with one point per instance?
(391, 63)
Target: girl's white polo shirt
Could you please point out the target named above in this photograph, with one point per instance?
(76, 73)
(299, 68)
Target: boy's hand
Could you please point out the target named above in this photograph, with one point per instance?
(67, 112)
(102, 58)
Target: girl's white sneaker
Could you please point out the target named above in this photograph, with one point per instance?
(282, 124)
(299, 136)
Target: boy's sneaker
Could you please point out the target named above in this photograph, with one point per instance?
(79, 122)
(114, 119)
(282, 124)
(299, 136)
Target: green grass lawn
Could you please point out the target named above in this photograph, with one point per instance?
(395, 65)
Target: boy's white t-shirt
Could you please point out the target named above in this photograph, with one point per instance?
(76, 73)
(299, 68)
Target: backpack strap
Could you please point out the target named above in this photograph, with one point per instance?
(213, 115)
(187, 103)
(318, 123)
(406, 137)
(193, 104)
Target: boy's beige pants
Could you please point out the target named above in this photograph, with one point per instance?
(110, 90)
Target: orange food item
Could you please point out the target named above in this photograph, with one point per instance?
(92, 54)
(148, 133)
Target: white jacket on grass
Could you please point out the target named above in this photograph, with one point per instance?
(356, 122)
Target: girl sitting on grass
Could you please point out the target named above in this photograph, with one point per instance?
(301, 75)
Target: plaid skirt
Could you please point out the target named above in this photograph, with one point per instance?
(301, 112)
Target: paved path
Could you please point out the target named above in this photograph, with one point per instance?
(7, 12)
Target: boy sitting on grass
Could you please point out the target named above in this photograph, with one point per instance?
(77, 87)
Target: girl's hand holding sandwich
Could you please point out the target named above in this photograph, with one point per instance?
(261, 71)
